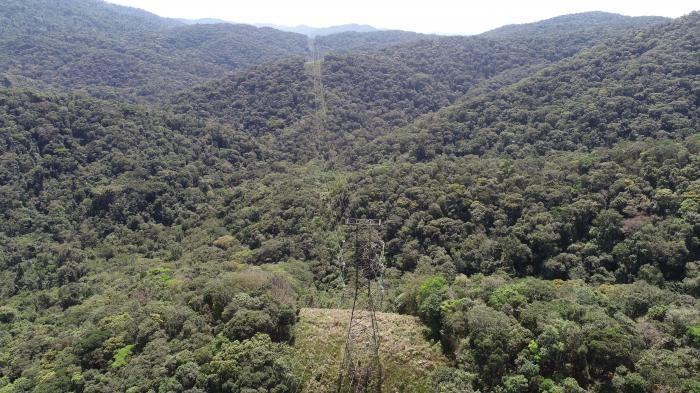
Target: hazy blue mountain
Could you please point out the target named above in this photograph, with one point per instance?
(322, 31)
(300, 29)
(203, 21)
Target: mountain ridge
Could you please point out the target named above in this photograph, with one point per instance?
(585, 20)
(323, 31)
(638, 51)
(429, 73)
(144, 59)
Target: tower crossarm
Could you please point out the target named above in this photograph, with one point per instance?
(363, 221)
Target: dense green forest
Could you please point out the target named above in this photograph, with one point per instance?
(128, 54)
(539, 185)
(644, 85)
(581, 25)
(351, 41)
(371, 93)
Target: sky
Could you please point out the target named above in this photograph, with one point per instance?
(425, 16)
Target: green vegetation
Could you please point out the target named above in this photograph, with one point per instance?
(349, 41)
(624, 90)
(120, 356)
(127, 54)
(118, 52)
(539, 185)
(546, 335)
(372, 93)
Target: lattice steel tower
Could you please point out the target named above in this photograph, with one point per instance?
(361, 370)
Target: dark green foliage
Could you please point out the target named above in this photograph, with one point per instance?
(245, 316)
(119, 52)
(451, 380)
(265, 99)
(76, 171)
(7, 314)
(351, 41)
(114, 51)
(563, 335)
(628, 89)
(577, 28)
(560, 229)
(371, 93)
(250, 365)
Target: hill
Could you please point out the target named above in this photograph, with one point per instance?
(40, 16)
(578, 30)
(205, 21)
(367, 94)
(114, 51)
(119, 52)
(129, 54)
(638, 86)
(351, 41)
(585, 21)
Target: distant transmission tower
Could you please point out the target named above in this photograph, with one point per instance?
(315, 66)
(361, 371)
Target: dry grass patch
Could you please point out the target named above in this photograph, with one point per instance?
(407, 358)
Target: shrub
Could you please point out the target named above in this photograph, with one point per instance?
(120, 356)
(694, 335)
(431, 295)
(515, 384)
(253, 365)
(7, 314)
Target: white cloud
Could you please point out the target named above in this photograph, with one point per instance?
(443, 16)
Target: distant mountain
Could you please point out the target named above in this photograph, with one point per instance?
(300, 29)
(203, 21)
(323, 31)
(585, 21)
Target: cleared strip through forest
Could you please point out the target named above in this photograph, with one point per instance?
(315, 64)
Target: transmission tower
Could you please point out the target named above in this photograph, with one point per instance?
(361, 370)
